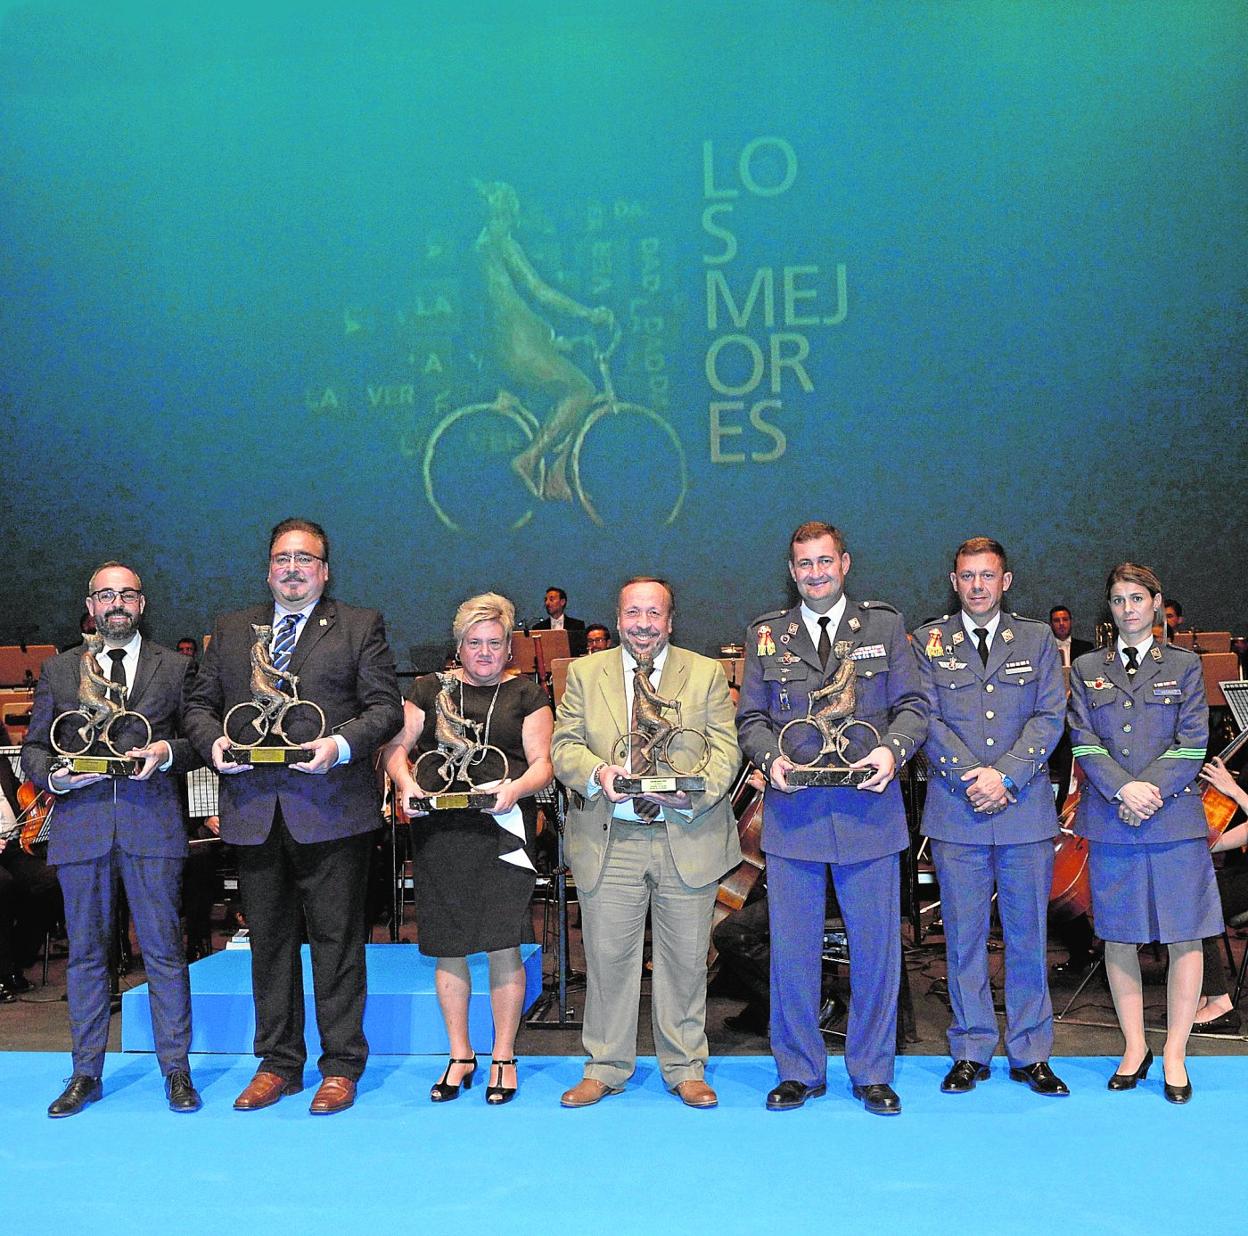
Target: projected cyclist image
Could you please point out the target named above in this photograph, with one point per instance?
(575, 453)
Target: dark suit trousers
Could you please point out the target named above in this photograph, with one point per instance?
(870, 898)
(285, 884)
(153, 888)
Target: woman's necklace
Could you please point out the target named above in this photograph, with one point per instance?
(489, 713)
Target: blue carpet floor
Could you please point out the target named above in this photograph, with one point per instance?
(1000, 1160)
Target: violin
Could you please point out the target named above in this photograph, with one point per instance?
(34, 815)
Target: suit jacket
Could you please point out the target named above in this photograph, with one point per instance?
(782, 669)
(1153, 727)
(1006, 715)
(592, 717)
(346, 667)
(144, 818)
(569, 624)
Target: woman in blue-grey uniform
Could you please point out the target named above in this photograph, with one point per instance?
(1139, 726)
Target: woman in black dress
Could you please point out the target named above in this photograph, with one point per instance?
(473, 869)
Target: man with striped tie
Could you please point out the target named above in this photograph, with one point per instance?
(302, 832)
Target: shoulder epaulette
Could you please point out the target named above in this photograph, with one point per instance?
(1023, 618)
(877, 605)
(768, 617)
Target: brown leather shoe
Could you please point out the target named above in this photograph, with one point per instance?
(334, 1094)
(587, 1092)
(695, 1093)
(263, 1091)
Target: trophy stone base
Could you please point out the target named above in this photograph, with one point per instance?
(804, 777)
(459, 800)
(102, 765)
(651, 784)
(267, 755)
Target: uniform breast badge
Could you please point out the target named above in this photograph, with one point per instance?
(766, 645)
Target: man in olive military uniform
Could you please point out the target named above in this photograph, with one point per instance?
(994, 686)
(854, 832)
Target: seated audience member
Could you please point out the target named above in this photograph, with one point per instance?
(1216, 1013)
(597, 638)
(30, 898)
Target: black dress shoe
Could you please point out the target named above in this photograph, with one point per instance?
(962, 1077)
(19, 983)
(7, 994)
(1224, 1023)
(182, 1095)
(790, 1094)
(78, 1094)
(1040, 1078)
(1126, 1081)
(879, 1099)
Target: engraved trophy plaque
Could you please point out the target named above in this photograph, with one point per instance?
(93, 737)
(462, 755)
(821, 743)
(269, 727)
(658, 741)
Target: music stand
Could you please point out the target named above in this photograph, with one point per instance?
(1236, 692)
(557, 992)
(523, 653)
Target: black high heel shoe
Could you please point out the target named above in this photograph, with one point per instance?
(443, 1092)
(1178, 1094)
(496, 1096)
(1126, 1081)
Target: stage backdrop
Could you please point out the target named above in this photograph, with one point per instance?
(509, 295)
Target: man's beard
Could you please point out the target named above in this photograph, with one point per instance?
(117, 624)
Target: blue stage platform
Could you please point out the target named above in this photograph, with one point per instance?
(999, 1162)
(400, 1019)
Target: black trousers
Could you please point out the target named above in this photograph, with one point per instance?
(285, 885)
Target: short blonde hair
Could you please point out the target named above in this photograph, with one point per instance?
(485, 607)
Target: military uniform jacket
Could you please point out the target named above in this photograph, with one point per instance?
(1006, 715)
(1153, 727)
(832, 824)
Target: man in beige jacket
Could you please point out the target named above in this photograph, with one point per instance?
(662, 851)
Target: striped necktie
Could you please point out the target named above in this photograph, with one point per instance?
(284, 642)
(639, 764)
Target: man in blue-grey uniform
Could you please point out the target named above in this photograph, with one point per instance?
(854, 832)
(993, 683)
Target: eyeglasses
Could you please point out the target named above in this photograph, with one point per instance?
(106, 596)
(301, 559)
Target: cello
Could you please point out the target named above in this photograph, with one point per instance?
(1220, 808)
(734, 889)
(1070, 894)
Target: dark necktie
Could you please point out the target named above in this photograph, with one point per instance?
(825, 641)
(1133, 663)
(284, 644)
(640, 764)
(117, 671)
(981, 642)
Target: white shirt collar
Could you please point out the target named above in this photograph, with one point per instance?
(972, 623)
(811, 619)
(1141, 650)
(630, 662)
